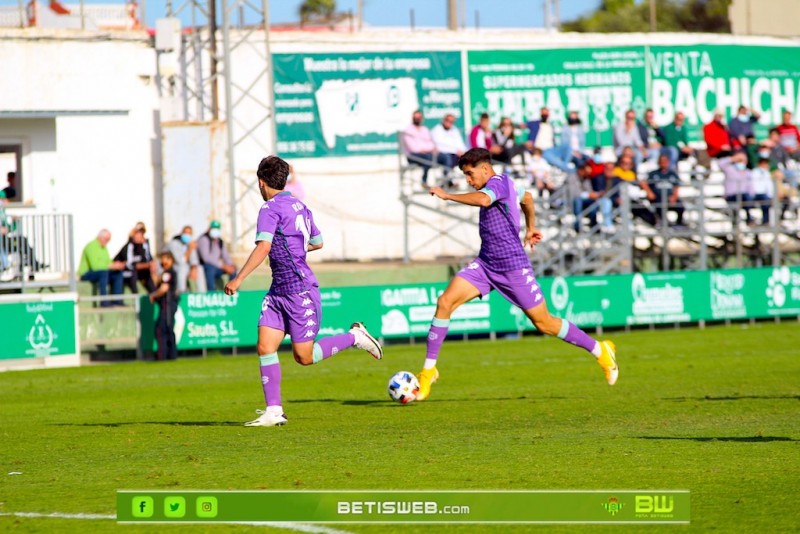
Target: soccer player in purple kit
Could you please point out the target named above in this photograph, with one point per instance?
(502, 264)
(285, 231)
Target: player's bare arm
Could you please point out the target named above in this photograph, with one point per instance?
(257, 257)
(314, 247)
(475, 198)
(532, 234)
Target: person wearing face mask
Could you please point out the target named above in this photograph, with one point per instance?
(540, 133)
(214, 256)
(717, 137)
(185, 259)
(741, 128)
(738, 184)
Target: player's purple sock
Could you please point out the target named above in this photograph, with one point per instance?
(271, 378)
(436, 335)
(326, 347)
(572, 334)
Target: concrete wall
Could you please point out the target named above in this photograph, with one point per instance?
(765, 17)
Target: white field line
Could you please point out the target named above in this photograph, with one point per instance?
(297, 527)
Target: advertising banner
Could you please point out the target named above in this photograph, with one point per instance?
(36, 327)
(598, 83)
(353, 104)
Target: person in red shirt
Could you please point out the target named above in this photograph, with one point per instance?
(789, 135)
(717, 137)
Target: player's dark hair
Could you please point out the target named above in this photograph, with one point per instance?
(474, 157)
(273, 171)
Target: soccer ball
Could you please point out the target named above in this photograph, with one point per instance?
(403, 387)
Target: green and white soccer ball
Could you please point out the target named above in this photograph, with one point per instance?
(403, 387)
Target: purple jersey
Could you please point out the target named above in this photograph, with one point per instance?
(288, 224)
(501, 246)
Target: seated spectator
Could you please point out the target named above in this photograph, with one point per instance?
(738, 184)
(717, 137)
(652, 136)
(763, 188)
(481, 136)
(11, 189)
(741, 128)
(624, 169)
(5, 230)
(588, 191)
(662, 186)
(418, 145)
(789, 136)
(676, 140)
(539, 171)
(618, 176)
(504, 139)
(449, 144)
(569, 153)
(540, 133)
(214, 257)
(185, 259)
(780, 158)
(96, 267)
(13, 244)
(138, 260)
(626, 134)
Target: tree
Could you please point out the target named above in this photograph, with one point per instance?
(673, 16)
(322, 10)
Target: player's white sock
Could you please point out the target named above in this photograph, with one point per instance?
(430, 363)
(275, 410)
(596, 351)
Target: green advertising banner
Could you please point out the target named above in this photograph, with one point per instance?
(618, 506)
(598, 83)
(353, 104)
(697, 79)
(38, 327)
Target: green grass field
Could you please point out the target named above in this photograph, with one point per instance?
(714, 411)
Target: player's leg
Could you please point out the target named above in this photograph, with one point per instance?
(469, 283)
(603, 351)
(304, 314)
(271, 331)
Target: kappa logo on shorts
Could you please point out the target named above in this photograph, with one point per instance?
(538, 297)
(529, 279)
(473, 265)
(308, 313)
(525, 271)
(309, 333)
(306, 302)
(534, 287)
(311, 322)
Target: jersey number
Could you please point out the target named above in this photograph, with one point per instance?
(303, 225)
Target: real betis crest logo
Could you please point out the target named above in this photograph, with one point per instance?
(613, 505)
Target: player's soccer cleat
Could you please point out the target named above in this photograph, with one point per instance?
(268, 418)
(426, 377)
(608, 361)
(365, 341)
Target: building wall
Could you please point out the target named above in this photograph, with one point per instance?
(765, 17)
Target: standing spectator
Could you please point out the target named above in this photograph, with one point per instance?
(214, 257)
(569, 153)
(138, 261)
(449, 144)
(652, 136)
(789, 135)
(11, 189)
(717, 137)
(5, 229)
(418, 145)
(96, 267)
(166, 296)
(741, 128)
(481, 136)
(540, 133)
(590, 193)
(763, 188)
(662, 186)
(626, 134)
(676, 141)
(738, 184)
(185, 259)
(504, 139)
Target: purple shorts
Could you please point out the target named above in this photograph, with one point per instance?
(519, 286)
(299, 315)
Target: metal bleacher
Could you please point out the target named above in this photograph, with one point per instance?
(715, 234)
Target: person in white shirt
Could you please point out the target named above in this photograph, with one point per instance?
(449, 144)
(763, 188)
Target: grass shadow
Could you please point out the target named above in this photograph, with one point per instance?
(736, 439)
(168, 423)
(734, 398)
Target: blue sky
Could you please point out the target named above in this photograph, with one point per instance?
(427, 13)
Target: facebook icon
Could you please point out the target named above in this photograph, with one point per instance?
(142, 507)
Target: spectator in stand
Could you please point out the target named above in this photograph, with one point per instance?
(662, 187)
(676, 140)
(418, 145)
(481, 136)
(738, 184)
(185, 259)
(780, 158)
(138, 260)
(717, 137)
(540, 133)
(763, 188)
(11, 189)
(504, 140)
(96, 267)
(293, 185)
(789, 135)
(539, 171)
(569, 153)
(623, 173)
(652, 136)
(588, 192)
(214, 257)
(626, 134)
(449, 144)
(742, 128)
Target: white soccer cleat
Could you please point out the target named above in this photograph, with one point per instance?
(365, 341)
(269, 418)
